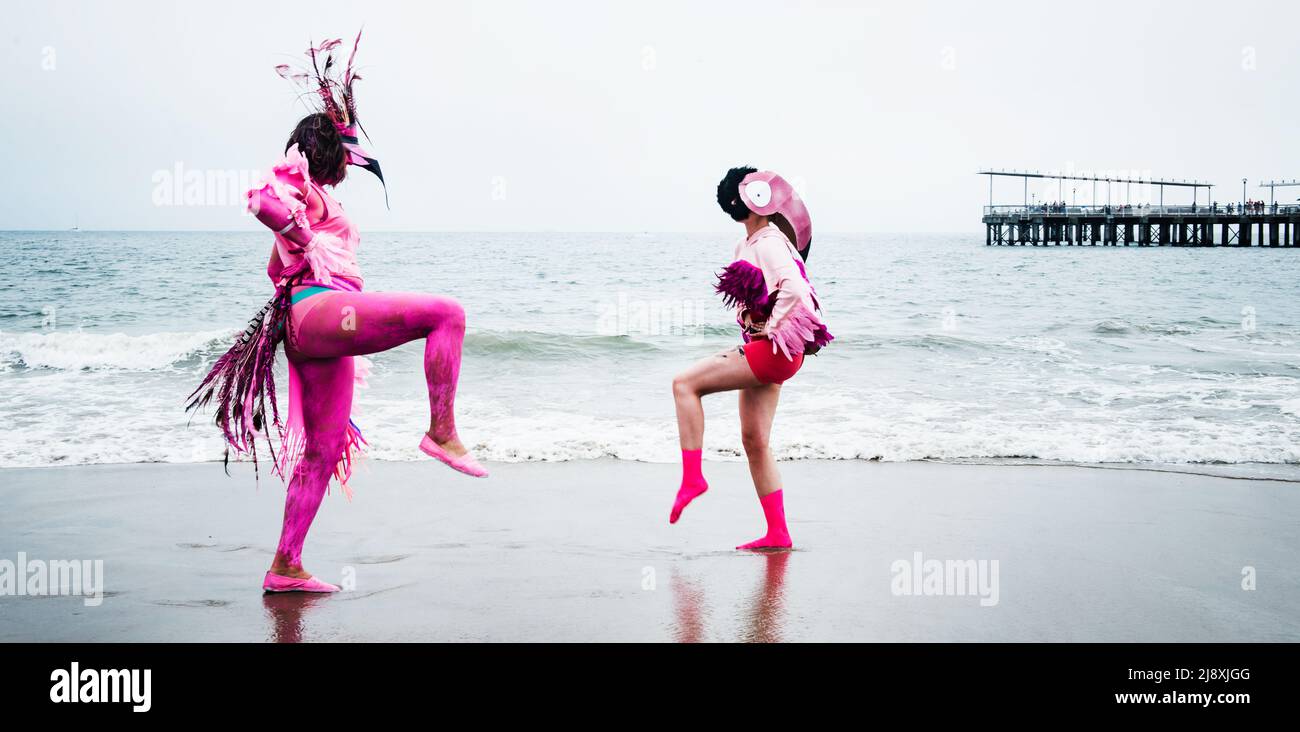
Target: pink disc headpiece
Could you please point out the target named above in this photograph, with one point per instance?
(334, 97)
(768, 194)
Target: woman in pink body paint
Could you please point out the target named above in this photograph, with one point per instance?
(326, 322)
(780, 321)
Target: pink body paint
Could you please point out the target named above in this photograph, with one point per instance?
(336, 327)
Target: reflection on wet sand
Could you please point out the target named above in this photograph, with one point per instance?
(689, 608)
(767, 609)
(287, 613)
(763, 619)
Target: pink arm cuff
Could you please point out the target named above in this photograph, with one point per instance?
(279, 203)
(286, 219)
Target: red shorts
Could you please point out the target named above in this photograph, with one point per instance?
(768, 367)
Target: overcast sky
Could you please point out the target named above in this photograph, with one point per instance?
(617, 116)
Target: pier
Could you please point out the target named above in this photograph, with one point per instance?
(1146, 225)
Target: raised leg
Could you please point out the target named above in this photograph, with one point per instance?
(724, 372)
(360, 323)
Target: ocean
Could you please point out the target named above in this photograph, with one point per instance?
(945, 349)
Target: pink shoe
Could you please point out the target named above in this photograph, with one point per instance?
(465, 463)
(280, 583)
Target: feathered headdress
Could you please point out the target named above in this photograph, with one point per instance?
(333, 95)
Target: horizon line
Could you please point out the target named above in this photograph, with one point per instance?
(456, 231)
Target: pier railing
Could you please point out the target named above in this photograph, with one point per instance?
(1144, 210)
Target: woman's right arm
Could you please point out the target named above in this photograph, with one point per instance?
(284, 204)
(280, 202)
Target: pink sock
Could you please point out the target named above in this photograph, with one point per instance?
(693, 483)
(778, 536)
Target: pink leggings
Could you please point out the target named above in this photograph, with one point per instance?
(325, 330)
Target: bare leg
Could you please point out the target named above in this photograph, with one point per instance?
(757, 410)
(359, 323)
(726, 371)
(327, 404)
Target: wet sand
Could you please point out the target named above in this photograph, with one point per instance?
(582, 551)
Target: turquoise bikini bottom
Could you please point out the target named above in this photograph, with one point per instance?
(307, 292)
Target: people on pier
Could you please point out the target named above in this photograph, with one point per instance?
(1048, 207)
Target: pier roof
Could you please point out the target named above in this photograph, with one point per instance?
(1098, 178)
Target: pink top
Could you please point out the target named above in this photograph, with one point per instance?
(768, 281)
(324, 250)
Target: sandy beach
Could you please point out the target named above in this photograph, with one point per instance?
(582, 551)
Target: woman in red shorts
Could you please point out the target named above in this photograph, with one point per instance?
(780, 319)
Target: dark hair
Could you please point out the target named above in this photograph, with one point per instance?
(729, 192)
(319, 141)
